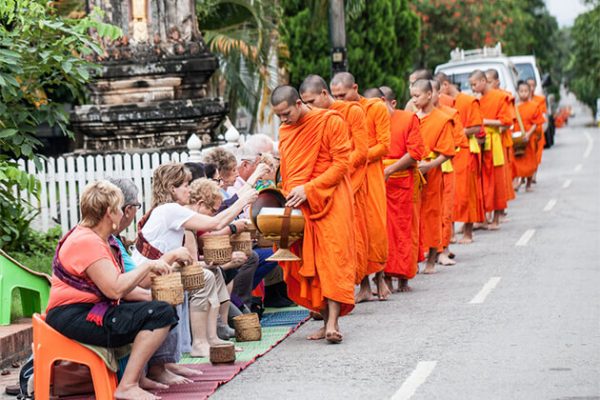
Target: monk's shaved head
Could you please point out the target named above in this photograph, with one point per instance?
(371, 93)
(435, 84)
(442, 77)
(388, 93)
(477, 74)
(313, 84)
(423, 85)
(284, 93)
(492, 74)
(343, 78)
(420, 73)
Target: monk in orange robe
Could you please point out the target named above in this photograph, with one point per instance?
(449, 177)
(401, 176)
(532, 117)
(437, 131)
(315, 93)
(541, 100)
(468, 199)
(414, 76)
(315, 157)
(496, 115)
(343, 87)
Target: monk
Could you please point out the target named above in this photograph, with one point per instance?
(401, 176)
(315, 93)
(343, 87)
(315, 157)
(496, 115)
(509, 156)
(437, 131)
(532, 117)
(414, 76)
(541, 100)
(468, 199)
(449, 177)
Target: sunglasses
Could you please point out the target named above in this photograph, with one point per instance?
(136, 205)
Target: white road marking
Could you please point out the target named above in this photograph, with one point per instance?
(525, 237)
(487, 288)
(550, 205)
(578, 167)
(416, 379)
(567, 183)
(590, 145)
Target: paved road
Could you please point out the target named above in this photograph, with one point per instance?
(536, 335)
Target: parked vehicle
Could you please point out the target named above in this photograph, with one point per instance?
(463, 62)
(527, 68)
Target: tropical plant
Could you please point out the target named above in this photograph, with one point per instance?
(41, 56)
(243, 34)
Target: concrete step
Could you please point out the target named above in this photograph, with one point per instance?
(15, 348)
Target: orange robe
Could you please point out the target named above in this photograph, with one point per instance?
(378, 126)
(402, 216)
(468, 194)
(531, 114)
(436, 130)
(541, 100)
(509, 154)
(445, 100)
(449, 176)
(315, 152)
(494, 105)
(356, 119)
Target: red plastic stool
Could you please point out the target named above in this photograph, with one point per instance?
(50, 346)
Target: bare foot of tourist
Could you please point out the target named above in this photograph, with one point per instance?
(445, 260)
(182, 370)
(148, 384)
(318, 335)
(200, 350)
(166, 377)
(133, 393)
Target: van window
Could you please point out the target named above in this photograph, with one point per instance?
(525, 71)
(461, 81)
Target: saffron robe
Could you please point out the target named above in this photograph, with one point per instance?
(494, 105)
(437, 132)
(509, 153)
(402, 211)
(315, 152)
(378, 126)
(356, 119)
(531, 114)
(468, 192)
(541, 100)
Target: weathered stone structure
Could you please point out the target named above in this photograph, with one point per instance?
(153, 87)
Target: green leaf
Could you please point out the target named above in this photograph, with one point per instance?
(66, 66)
(83, 72)
(4, 133)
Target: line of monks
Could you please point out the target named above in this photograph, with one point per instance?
(380, 188)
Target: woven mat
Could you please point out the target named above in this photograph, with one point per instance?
(284, 318)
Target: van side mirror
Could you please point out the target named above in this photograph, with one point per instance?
(546, 80)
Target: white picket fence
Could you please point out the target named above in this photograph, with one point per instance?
(64, 178)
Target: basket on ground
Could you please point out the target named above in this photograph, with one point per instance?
(216, 249)
(247, 328)
(168, 288)
(222, 353)
(192, 277)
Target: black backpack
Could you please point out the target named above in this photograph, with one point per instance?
(24, 376)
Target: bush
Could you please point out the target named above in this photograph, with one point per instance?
(36, 250)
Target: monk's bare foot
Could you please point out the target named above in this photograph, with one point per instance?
(444, 259)
(316, 316)
(363, 295)
(200, 350)
(334, 337)
(148, 384)
(493, 226)
(389, 283)
(383, 291)
(179, 369)
(529, 189)
(479, 225)
(166, 377)
(404, 286)
(453, 239)
(465, 240)
(133, 393)
(429, 269)
(318, 335)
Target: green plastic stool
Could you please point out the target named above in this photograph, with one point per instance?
(34, 288)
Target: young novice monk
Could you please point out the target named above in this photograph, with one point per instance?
(533, 118)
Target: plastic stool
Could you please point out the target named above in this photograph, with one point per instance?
(50, 346)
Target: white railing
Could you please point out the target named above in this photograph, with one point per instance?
(64, 178)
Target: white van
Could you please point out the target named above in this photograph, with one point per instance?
(527, 69)
(463, 62)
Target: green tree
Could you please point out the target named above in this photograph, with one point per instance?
(41, 55)
(584, 66)
(382, 38)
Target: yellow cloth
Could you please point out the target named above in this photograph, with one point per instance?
(493, 142)
(474, 146)
(398, 174)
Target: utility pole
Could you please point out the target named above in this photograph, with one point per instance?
(337, 36)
